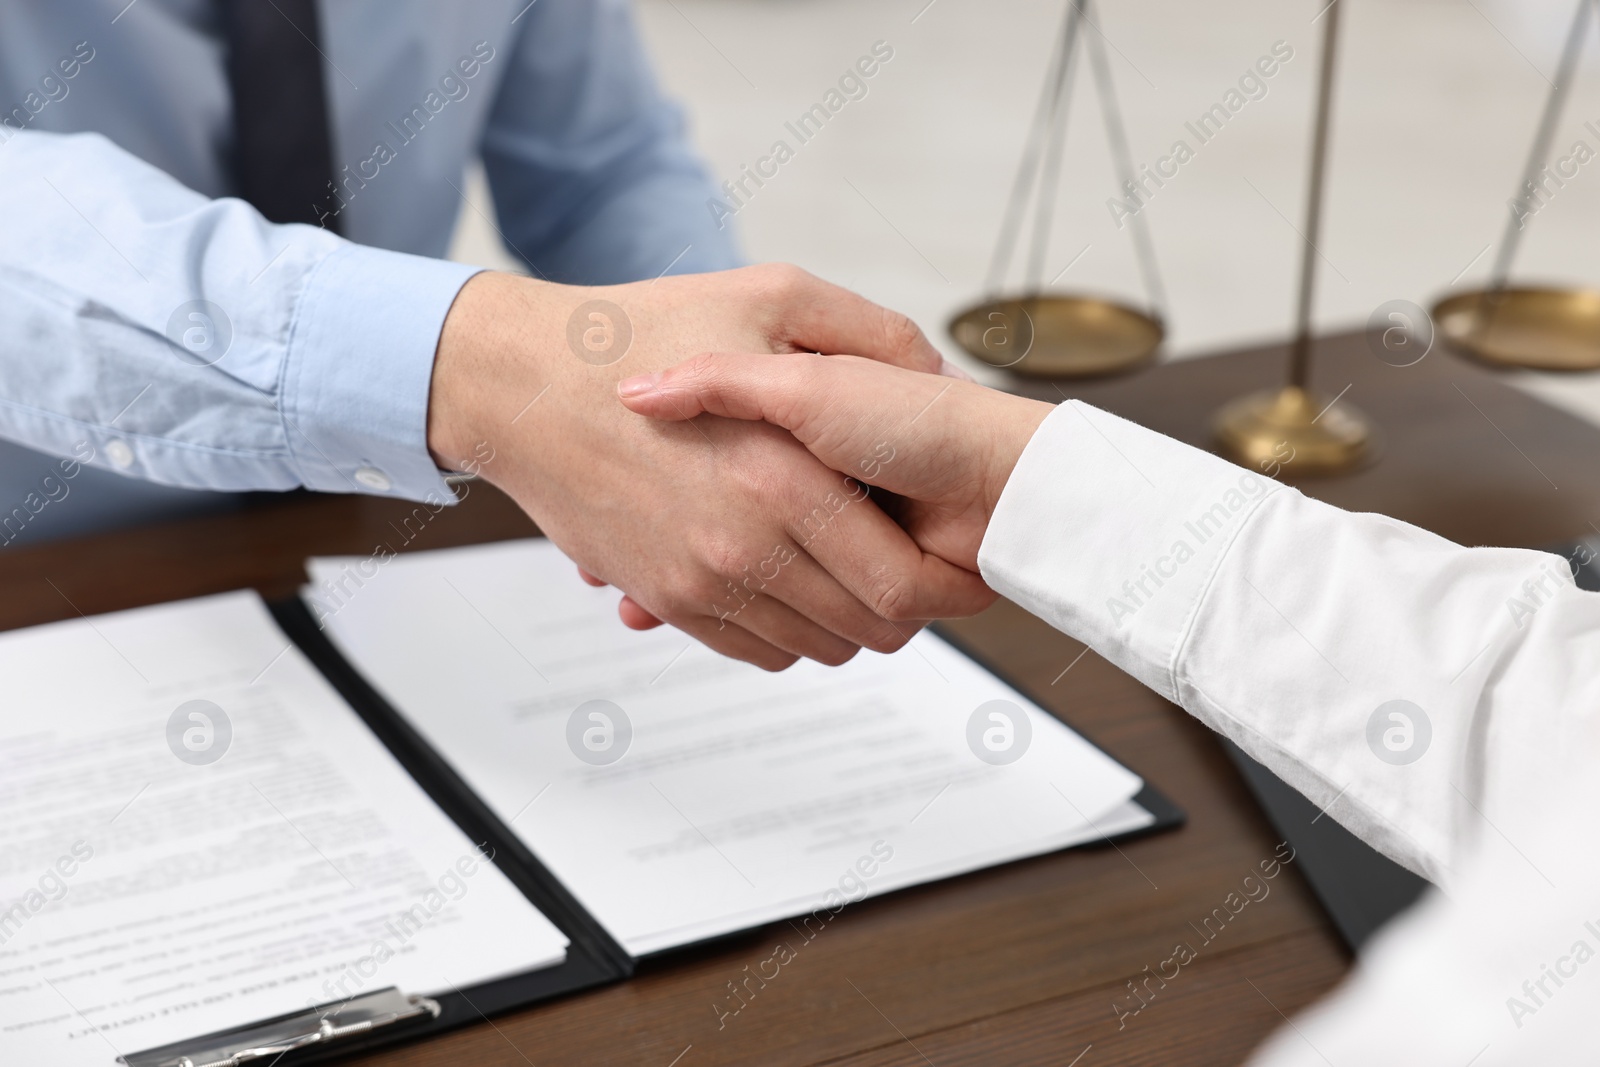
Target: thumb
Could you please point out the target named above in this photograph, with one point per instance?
(785, 390)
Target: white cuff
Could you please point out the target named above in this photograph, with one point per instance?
(1111, 533)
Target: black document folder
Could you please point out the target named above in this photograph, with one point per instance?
(387, 1016)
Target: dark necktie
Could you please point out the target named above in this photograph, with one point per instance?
(283, 154)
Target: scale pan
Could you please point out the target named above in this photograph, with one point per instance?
(1058, 336)
(1531, 329)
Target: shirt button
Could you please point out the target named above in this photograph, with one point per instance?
(374, 479)
(118, 452)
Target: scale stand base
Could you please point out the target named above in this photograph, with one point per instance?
(1293, 432)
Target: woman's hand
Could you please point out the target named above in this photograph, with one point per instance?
(946, 447)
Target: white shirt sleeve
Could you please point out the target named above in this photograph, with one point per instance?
(1439, 701)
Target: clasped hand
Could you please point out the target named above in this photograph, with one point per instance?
(943, 449)
(737, 510)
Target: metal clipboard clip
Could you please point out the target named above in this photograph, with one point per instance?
(322, 1025)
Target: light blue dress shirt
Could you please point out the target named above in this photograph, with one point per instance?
(151, 326)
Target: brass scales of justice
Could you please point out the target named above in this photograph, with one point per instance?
(1062, 335)
(1529, 328)
(1058, 335)
(1321, 436)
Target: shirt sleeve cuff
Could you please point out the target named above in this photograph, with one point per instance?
(356, 376)
(1111, 533)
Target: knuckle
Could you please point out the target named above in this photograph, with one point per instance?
(777, 288)
(892, 596)
(699, 368)
(886, 637)
(700, 382)
(723, 557)
(764, 475)
(681, 582)
(900, 334)
(784, 279)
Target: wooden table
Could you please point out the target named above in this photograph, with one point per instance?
(1018, 965)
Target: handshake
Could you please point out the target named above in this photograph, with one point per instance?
(772, 464)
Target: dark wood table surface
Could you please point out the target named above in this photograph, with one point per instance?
(1016, 965)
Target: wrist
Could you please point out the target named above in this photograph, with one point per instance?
(493, 347)
(1013, 425)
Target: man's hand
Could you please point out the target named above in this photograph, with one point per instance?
(946, 447)
(727, 530)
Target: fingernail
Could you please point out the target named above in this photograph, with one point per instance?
(638, 386)
(950, 370)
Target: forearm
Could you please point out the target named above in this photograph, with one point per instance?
(187, 341)
(1287, 624)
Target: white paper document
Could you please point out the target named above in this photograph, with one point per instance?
(197, 832)
(681, 795)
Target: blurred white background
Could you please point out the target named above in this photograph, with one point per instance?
(900, 195)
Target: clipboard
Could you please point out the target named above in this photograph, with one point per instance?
(385, 1017)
